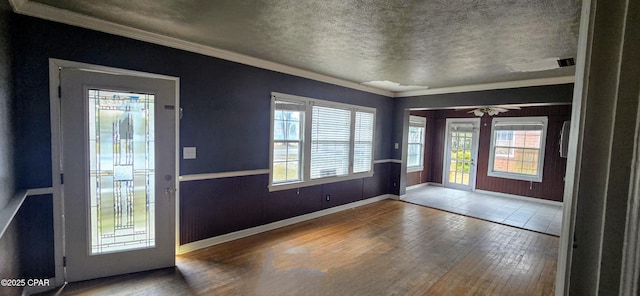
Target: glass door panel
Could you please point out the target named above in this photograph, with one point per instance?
(121, 170)
(460, 153)
(119, 200)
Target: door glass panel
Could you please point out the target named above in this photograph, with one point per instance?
(461, 148)
(122, 171)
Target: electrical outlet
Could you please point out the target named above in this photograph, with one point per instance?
(395, 184)
(328, 197)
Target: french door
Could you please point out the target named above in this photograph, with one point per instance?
(461, 153)
(118, 164)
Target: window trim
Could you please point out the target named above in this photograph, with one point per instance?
(300, 142)
(418, 121)
(354, 116)
(543, 140)
(305, 164)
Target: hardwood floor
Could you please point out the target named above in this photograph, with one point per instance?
(385, 248)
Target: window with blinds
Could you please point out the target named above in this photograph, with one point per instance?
(330, 142)
(415, 145)
(363, 142)
(315, 141)
(517, 148)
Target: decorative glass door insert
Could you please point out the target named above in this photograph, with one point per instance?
(119, 162)
(121, 171)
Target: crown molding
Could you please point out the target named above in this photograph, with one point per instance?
(488, 86)
(54, 14)
(16, 4)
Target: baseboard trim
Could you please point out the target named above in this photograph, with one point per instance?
(412, 187)
(418, 186)
(526, 198)
(201, 244)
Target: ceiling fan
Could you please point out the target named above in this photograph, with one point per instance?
(492, 110)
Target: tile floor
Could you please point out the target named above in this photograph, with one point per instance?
(524, 214)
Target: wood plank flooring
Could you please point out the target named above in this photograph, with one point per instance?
(385, 248)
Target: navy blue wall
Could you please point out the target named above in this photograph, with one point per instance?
(226, 104)
(6, 102)
(226, 116)
(36, 237)
(210, 208)
(9, 242)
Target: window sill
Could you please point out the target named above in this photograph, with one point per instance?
(314, 182)
(515, 176)
(415, 169)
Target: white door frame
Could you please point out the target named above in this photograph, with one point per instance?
(56, 140)
(474, 150)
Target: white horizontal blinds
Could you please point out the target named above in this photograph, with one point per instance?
(290, 106)
(316, 141)
(517, 146)
(363, 142)
(418, 121)
(518, 134)
(461, 127)
(288, 124)
(519, 126)
(330, 139)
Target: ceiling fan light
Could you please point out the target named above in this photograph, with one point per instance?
(493, 112)
(477, 112)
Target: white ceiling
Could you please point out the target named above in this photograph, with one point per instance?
(400, 45)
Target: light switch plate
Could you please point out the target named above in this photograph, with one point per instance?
(397, 145)
(188, 152)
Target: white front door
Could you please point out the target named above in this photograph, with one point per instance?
(461, 153)
(118, 164)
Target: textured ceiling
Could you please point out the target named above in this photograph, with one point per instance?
(423, 43)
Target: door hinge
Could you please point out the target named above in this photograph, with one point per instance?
(64, 261)
(59, 92)
(61, 178)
